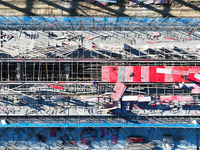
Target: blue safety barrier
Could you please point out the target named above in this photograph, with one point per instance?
(102, 125)
(86, 23)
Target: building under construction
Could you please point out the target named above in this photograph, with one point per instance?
(99, 72)
(104, 67)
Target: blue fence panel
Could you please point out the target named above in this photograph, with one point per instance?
(64, 21)
(50, 19)
(60, 19)
(168, 21)
(76, 22)
(98, 21)
(87, 21)
(123, 21)
(146, 21)
(38, 20)
(156, 22)
(2, 19)
(185, 20)
(194, 22)
(110, 21)
(101, 125)
(25, 19)
(13, 19)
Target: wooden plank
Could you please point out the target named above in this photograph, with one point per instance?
(118, 91)
(130, 98)
(176, 98)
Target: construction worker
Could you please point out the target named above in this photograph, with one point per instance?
(94, 83)
(181, 85)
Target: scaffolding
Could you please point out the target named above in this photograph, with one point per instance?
(61, 71)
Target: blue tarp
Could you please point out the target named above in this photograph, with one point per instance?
(102, 125)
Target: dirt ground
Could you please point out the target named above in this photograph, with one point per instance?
(175, 8)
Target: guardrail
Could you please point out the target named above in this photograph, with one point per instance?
(94, 23)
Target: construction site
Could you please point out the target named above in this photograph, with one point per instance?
(77, 81)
